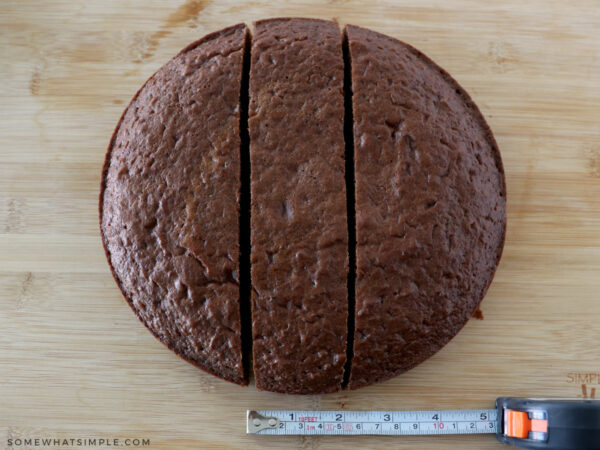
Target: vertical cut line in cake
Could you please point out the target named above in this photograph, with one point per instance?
(350, 204)
(244, 219)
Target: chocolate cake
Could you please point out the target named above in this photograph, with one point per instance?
(329, 209)
(298, 214)
(170, 203)
(430, 206)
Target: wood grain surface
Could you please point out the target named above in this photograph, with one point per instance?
(75, 362)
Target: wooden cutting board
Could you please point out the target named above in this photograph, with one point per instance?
(75, 362)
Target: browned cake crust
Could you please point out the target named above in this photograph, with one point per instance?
(298, 213)
(430, 206)
(169, 203)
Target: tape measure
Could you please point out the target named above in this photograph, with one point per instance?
(523, 422)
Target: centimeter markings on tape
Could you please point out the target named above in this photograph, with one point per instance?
(348, 423)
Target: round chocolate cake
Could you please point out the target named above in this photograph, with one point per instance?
(327, 207)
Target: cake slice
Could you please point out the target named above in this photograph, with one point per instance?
(298, 209)
(170, 203)
(430, 206)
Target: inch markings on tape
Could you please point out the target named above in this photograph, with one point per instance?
(350, 423)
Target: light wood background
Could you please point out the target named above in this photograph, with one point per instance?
(75, 362)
